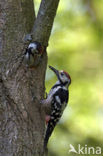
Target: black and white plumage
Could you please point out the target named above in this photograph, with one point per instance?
(57, 98)
(32, 54)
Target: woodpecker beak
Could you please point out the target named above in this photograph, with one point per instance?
(55, 71)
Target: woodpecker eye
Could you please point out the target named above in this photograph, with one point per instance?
(62, 74)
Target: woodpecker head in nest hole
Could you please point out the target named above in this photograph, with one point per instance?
(33, 53)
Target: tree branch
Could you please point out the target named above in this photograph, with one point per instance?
(43, 23)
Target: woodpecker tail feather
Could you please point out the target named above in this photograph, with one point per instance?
(50, 127)
(48, 134)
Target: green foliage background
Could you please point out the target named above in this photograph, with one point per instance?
(76, 46)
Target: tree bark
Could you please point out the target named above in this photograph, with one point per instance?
(22, 124)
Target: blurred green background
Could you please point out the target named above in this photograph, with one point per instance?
(76, 46)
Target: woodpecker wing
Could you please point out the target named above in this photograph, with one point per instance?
(58, 104)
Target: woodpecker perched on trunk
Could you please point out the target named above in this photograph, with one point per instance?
(33, 53)
(57, 98)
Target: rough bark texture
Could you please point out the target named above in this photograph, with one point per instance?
(22, 124)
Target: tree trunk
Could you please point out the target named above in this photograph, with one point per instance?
(22, 125)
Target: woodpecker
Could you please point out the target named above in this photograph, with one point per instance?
(33, 54)
(58, 99)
